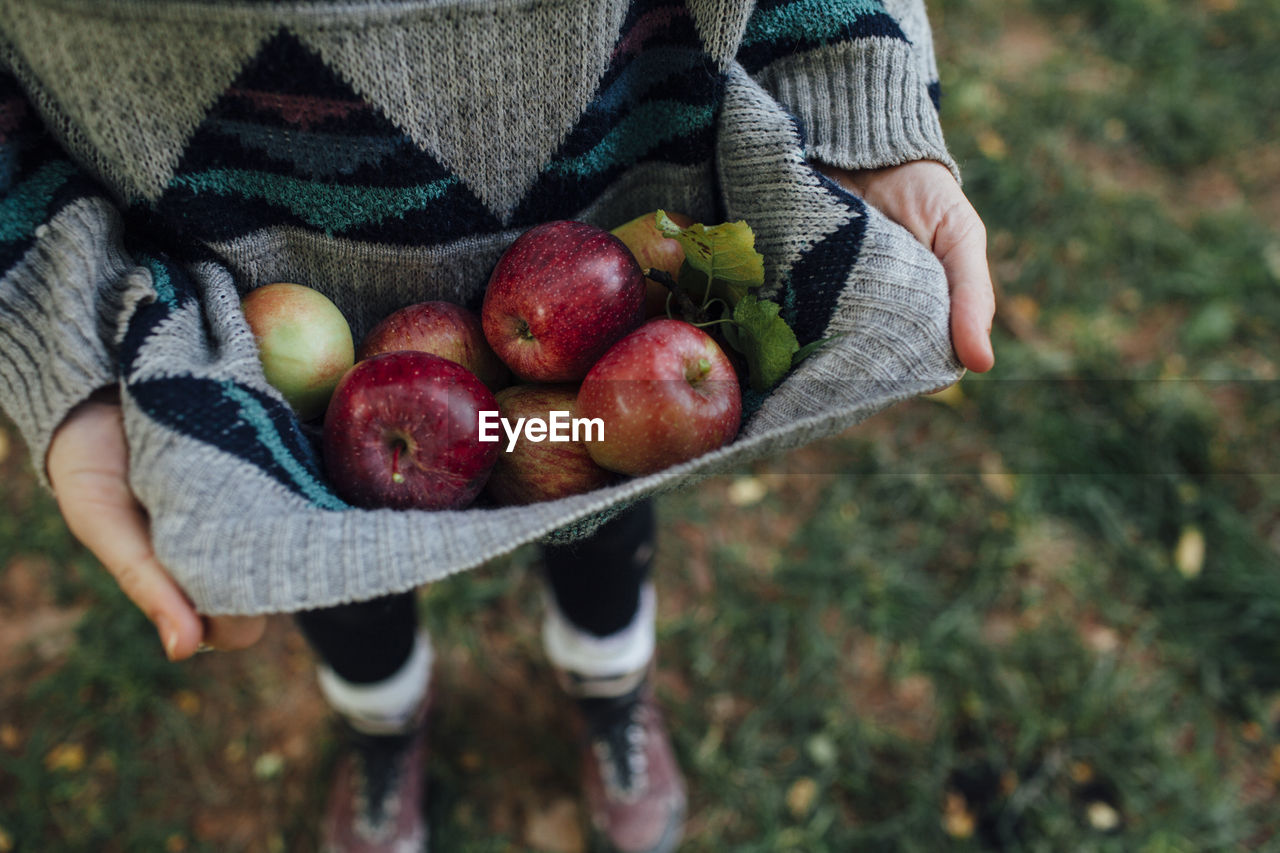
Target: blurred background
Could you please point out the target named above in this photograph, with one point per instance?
(1039, 611)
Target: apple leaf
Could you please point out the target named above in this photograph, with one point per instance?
(810, 348)
(722, 267)
(724, 253)
(765, 339)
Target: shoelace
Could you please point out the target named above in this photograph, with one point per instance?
(380, 762)
(619, 742)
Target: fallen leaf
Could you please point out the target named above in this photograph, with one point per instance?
(1188, 556)
(1081, 772)
(822, 750)
(992, 145)
(555, 827)
(957, 820)
(950, 396)
(800, 797)
(65, 756)
(1102, 816)
(746, 491)
(997, 480)
(187, 702)
(268, 766)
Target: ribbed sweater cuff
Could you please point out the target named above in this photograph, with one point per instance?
(862, 105)
(59, 308)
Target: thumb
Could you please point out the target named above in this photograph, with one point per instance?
(87, 463)
(106, 518)
(960, 243)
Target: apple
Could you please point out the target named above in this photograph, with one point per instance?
(560, 295)
(304, 343)
(443, 328)
(666, 393)
(544, 469)
(654, 251)
(402, 431)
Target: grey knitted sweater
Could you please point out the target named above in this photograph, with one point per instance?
(159, 158)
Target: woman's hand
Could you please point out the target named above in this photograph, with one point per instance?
(924, 197)
(88, 466)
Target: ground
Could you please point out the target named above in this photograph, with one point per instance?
(1040, 611)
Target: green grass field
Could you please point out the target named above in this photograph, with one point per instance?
(1039, 612)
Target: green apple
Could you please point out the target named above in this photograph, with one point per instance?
(654, 250)
(304, 342)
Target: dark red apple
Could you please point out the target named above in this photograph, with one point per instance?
(543, 463)
(652, 250)
(562, 294)
(443, 328)
(402, 431)
(666, 393)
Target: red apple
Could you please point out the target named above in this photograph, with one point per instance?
(666, 393)
(654, 251)
(304, 343)
(562, 294)
(539, 465)
(443, 328)
(402, 431)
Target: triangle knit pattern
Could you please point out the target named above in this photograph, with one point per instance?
(293, 155)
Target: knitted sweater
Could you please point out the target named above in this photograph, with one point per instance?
(159, 158)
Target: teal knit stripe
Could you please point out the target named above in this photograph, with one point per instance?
(253, 414)
(648, 126)
(330, 207)
(814, 20)
(160, 280)
(27, 204)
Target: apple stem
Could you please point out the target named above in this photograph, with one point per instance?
(396, 476)
(695, 373)
(688, 308)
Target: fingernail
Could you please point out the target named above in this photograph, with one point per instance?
(170, 636)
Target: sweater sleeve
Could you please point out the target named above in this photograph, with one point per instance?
(64, 277)
(859, 75)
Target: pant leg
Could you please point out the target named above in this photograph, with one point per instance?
(364, 642)
(597, 582)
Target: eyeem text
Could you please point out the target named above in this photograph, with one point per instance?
(558, 426)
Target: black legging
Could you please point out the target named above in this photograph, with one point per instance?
(596, 582)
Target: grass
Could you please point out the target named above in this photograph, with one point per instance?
(1040, 612)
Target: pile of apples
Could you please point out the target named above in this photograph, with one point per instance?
(439, 405)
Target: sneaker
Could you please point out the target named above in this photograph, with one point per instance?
(634, 791)
(376, 798)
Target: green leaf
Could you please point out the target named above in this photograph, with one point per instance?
(810, 348)
(731, 336)
(765, 339)
(726, 253)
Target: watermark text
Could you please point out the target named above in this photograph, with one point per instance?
(557, 426)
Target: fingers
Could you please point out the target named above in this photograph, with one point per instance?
(960, 243)
(923, 197)
(104, 516)
(233, 632)
(88, 468)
